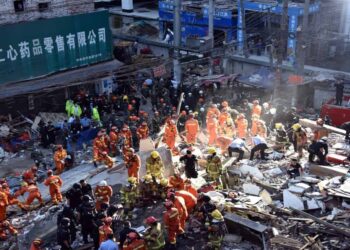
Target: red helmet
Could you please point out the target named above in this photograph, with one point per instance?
(114, 128)
(133, 101)
(49, 172)
(151, 220)
(132, 236)
(4, 185)
(168, 204)
(99, 134)
(104, 153)
(161, 100)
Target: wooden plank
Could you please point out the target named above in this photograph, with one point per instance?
(320, 170)
(329, 225)
(312, 124)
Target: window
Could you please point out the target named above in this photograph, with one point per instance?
(19, 5)
(43, 6)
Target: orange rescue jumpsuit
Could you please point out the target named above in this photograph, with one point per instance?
(189, 188)
(3, 205)
(213, 111)
(224, 116)
(254, 128)
(133, 163)
(99, 146)
(142, 132)
(170, 135)
(103, 194)
(33, 247)
(262, 130)
(192, 128)
(242, 125)
(136, 244)
(59, 157)
(103, 232)
(171, 220)
(11, 198)
(180, 204)
(34, 193)
(190, 199)
(113, 141)
(176, 182)
(256, 109)
(29, 176)
(54, 182)
(212, 128)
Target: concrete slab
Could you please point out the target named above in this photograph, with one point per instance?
(291, 200)
(146, 145)
(296, 189)
(252, 189)
(273, 172)
(333, 171)
(249, 170)
(305, 186)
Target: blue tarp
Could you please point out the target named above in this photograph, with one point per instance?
(85, 137)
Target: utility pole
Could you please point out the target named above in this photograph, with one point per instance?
(270, 31)
(244, 33)
(281, 48)
(177, 41)
(301, 49)
(211, 33)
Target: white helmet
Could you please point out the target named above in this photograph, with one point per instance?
(324, 138)
(102, 183)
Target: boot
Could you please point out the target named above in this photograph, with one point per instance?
(95, 164)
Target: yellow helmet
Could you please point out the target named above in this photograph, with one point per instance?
(125, 98)
(211, 150)
(24, 184)
(164, 182)
(132, 180)
(217, 215)
(155, 154)
(296, 126)
(147, 178)
(278, 125)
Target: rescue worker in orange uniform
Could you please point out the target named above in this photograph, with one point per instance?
(55, 183)
(36, 244)
(103, 194)
(59, 157)
(30, 174)
(190, 199)
(190, 188)
(192, 129)
(113, 140)
(133, 242)
(212, 129)
(3, 205)
(126, 133)
(100, 151)
(172, 224)
(256, 109)
(320, 131)
(170, 134)
(176, 181)
(105, 229)
(213, 110)
(262, 130)
(254, 128)
(224, 115)
(133, 164)
(6, 229)
(143, 131)
(223, 142)
(180, 205)
(12, 200)
(242, 125)
(229, 128)
(34, 193)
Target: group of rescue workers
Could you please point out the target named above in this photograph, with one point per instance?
(228, 131)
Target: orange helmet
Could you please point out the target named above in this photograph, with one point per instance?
(34, 168)
(108, 220)
(144, 123)
(49, 172)
(256, 102)
(59, 146)
(37, 242)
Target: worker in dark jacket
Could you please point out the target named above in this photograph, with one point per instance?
(86, 188)
(64, 234)
(346, 127)
(74, 196)
(190, 162)
(319, 149)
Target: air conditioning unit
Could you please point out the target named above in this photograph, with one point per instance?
(104, 86)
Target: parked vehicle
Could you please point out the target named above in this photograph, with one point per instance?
(337, 114)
